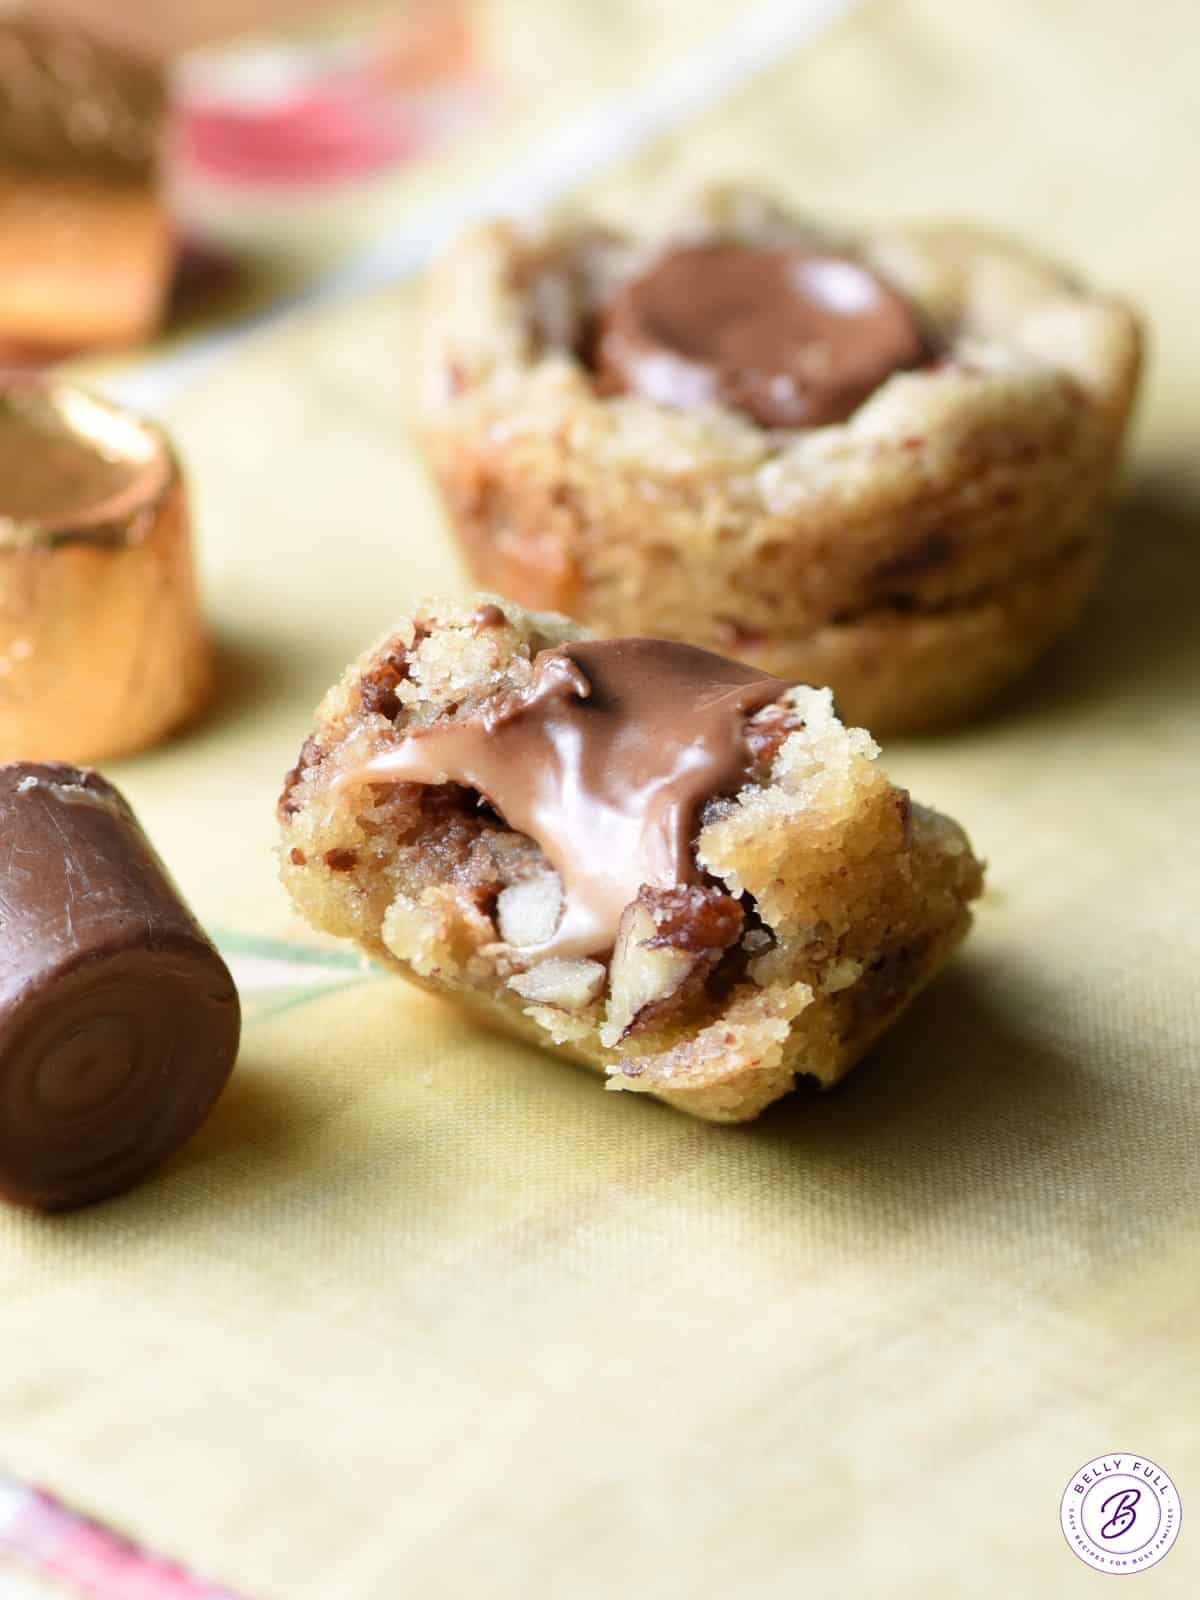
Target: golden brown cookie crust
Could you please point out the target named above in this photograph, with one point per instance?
(858, 895)
(928, 521)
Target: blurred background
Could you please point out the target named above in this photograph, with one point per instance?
(280, 139)
(248, 142)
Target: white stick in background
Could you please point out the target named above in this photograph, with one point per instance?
(599, 139)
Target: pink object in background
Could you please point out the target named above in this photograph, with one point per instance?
(323, 108)
(57, 1543)
(334, 132)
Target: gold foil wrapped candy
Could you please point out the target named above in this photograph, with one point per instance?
(102, 646)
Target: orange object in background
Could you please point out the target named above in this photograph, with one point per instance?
(81, 266)
(430, 41)
(161, 30)
(430, 35)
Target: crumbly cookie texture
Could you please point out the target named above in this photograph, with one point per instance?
(823, 898)
(917, 557)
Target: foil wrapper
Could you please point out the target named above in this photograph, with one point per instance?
(103, 649)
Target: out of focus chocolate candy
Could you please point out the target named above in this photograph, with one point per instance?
(119, 1022)
(102, 646)
(71, 100)
(86, 244)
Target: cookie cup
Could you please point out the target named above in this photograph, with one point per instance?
(917, 557)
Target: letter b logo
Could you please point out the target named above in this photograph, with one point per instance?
(1118, 1508)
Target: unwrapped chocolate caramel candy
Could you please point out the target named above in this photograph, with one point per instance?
(102, 647)
(86, 246)
(119, 1022)
(793, 336)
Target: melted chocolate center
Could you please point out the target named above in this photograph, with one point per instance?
(604, 760)
(793, 337)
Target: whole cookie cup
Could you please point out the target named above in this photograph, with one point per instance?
(917, 553)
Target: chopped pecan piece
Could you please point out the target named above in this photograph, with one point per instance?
(668, 942)
(692, 918)
(565, 985)
(377, 688)
(311, 755)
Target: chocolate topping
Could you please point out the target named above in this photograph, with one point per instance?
(69, 102)
(792, 336)
(119, 1021)
(605, 761)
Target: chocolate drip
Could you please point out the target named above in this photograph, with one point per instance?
(486, 616)
(119, 1021)
(604, 760)
(794, 337)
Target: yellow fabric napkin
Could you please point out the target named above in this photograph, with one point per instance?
(423, 1312)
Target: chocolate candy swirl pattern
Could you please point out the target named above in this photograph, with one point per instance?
(119, 1022)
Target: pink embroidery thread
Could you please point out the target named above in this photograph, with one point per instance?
(87, 1557)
